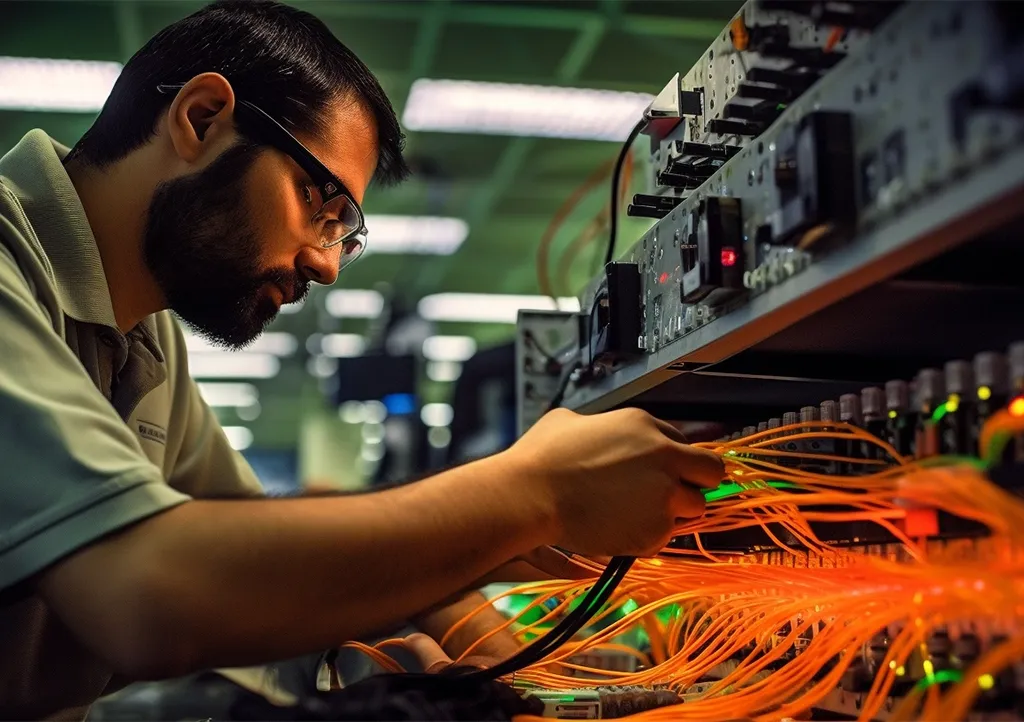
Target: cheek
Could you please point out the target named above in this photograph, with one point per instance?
(276, 212)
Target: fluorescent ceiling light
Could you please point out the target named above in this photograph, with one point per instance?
(423, 235)
(444, 371)
(449, 348)
(229, 395)
(66, 85)
(242, 365)
(239, 437)
(276, 343)
(487, 307)
(354, 303)
(437, 414)
(342, 345)
(463, 106)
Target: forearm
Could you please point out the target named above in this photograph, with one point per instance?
(226, 583)
(436, 623)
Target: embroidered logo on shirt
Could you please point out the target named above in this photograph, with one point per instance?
(152, 432)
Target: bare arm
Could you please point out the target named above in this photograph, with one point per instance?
(237, 583)
(234, 583)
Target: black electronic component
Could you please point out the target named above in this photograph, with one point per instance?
(764, 112)
(850, 413)
(872, 406)
(809, 413)
(691, 102)
(899, 426)
(720, 151)
(759, 35)
(789, 418)
(762, 426)
(648, 206)
(735, 127)
(716, 229)
(764, 92)
(797, 80)
(956, 418)
(749, 430)
(931, 390)
(815, 174)
(615, 325)
(828, 411)
(677, 180)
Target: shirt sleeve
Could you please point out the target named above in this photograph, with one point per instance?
(72, 471)
(207, 467)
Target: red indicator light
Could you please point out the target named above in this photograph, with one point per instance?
(728, 257)
(663, 278)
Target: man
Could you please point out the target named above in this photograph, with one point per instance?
(223, 176)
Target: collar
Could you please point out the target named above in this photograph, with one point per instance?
(34, 170)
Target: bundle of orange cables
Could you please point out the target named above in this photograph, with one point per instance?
(771, 635)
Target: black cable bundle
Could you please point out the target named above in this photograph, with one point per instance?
(596, 597)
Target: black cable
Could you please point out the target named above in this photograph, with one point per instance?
(616, 175)
(563, 386)
(595, 599)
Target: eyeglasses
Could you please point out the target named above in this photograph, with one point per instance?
(338, 219)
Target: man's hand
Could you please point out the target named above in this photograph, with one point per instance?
(544, 564)
(618, 483)
(436, 623)
(434, 659)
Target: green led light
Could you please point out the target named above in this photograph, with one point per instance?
(943, 676)
(630, 606)
(731, 489)
(939, 413)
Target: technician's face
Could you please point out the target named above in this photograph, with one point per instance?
(230, 244)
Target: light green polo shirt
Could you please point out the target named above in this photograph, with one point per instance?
(98, 429)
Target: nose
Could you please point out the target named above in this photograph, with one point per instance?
(320, 265)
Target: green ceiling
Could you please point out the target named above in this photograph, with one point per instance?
(507, 188)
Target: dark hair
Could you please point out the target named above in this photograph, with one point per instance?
(282, 59)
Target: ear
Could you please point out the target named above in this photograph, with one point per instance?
(201, 117)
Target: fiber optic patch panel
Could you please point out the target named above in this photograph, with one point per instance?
(866, 217)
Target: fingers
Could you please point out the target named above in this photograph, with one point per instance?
(428, 652)
(700, 467)
(695, 466)
(687, 503)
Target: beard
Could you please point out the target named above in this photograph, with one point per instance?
(200, 246)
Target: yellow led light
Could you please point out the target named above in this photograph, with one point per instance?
(737, 472)
(984, 393)
(1017, 406)
(657, 562)
(953, 403)
(900, 671)
(986, 681)
(892, 664)
(929, 668)
(893, 414)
